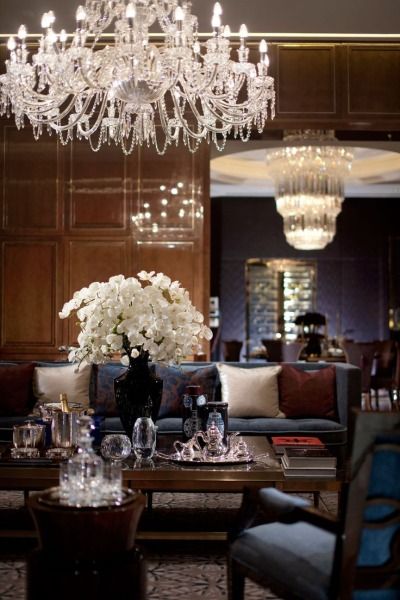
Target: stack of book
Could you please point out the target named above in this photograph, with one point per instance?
(304, 457)
(279, 443)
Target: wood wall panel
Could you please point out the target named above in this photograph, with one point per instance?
(29, 295)
(178, 261)
(374, 76)
(97, 188)
(306, 80)
(92, 260)
(31, 177)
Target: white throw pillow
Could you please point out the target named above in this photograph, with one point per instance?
(250, 392)
(50, 382)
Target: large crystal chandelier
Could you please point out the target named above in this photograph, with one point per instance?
(309, 186)
(132, 86)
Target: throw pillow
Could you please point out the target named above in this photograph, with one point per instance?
(175, 380)
(250, 392)
(50, 382)
(104, 395)
(308, 393)
(16, 392)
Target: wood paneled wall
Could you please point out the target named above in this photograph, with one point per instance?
(353, 87)
(66, 221)
(65, 212)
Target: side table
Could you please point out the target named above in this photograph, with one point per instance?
(86, 552)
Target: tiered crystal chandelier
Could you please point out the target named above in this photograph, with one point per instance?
(309, 186)
(131, 88)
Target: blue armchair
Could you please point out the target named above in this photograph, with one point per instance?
(299, 553)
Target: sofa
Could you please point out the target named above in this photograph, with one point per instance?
(311, 399)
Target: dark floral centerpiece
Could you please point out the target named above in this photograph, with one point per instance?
(144, 318)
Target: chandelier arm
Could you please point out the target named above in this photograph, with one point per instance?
(198, 136)
(200, 117)
(25, 90)
(185, 83)
(89, 132)
(59, 116)
(164, 123)
(205, 85)
(92, 85)
(227, 126)
(71, 125)
(227, 107)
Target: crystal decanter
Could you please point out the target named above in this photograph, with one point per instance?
(85, 469)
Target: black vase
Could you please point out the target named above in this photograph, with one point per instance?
(137, 393)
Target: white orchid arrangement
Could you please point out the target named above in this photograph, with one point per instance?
(145, 316)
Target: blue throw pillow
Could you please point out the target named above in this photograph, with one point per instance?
(175, 380)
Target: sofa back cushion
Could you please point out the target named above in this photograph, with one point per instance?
(250, 392)
(51, 381)
(305, 394)
(16, 390)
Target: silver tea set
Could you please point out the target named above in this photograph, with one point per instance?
(209, 447)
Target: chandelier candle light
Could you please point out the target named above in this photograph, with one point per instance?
(309, 187)
(121, 87)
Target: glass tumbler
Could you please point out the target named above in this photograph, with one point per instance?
(144, 438)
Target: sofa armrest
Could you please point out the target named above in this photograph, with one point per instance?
(348, 391)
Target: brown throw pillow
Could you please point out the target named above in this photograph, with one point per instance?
(16, 390)
(308, 393)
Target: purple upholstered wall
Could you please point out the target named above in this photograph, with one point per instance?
(352, 272)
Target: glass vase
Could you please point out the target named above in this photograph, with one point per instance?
(137, 393)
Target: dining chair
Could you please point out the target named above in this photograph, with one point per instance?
(231, 350)
(274, 349)
(362, 355)
(386, 372)
(299, 553)
(291, 351)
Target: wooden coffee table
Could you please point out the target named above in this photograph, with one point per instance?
(161, 475)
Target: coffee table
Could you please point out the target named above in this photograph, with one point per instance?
(162, 475)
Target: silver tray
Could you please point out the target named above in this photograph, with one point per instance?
(218, 461)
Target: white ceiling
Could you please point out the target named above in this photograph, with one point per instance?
(241, 170)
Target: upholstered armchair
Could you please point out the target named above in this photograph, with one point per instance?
(300, 553)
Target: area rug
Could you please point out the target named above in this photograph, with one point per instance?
(175, 572)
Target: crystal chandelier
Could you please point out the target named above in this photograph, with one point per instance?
(309, 186)
(124, 88)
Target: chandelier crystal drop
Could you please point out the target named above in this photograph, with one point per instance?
(112, 81)
(309, 186)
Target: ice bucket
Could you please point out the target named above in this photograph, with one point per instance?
(64, 428)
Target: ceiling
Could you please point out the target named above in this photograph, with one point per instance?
(241, 170)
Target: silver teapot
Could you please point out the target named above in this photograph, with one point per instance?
(213, 440)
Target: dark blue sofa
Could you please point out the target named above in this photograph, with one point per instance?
(348, 396)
